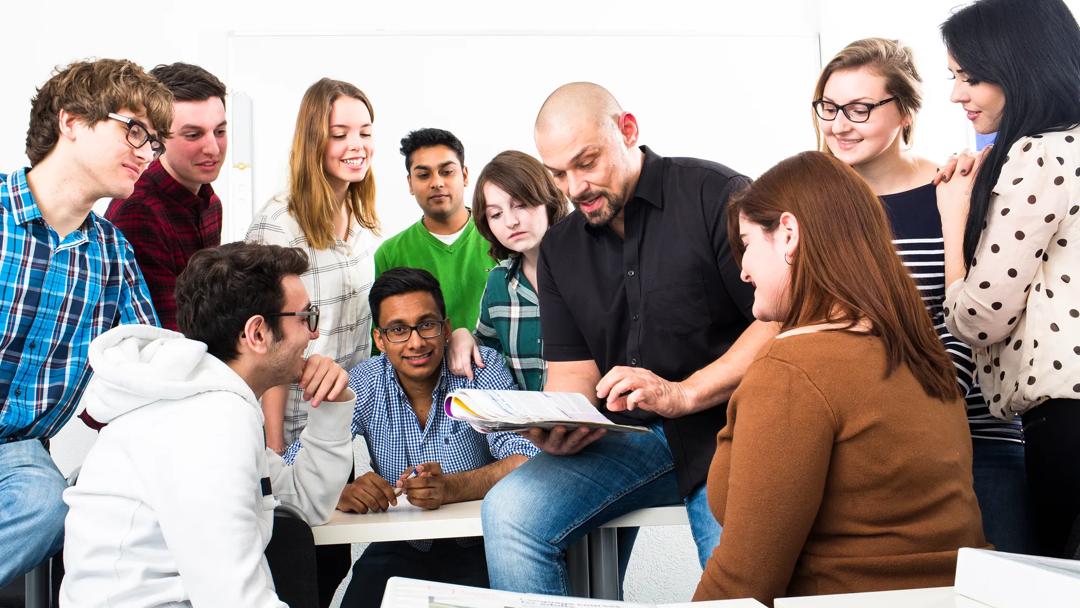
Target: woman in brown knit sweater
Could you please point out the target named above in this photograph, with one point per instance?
(845, 464)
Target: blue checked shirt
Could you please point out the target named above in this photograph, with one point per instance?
(56, 295)
(384, 417)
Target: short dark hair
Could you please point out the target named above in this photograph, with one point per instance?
(526, 180)
(1031, 50)
(222, 287)
(397, 281)
(189, 82)
(427, 138)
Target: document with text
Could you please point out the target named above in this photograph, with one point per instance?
(494, 411)
(413, 593)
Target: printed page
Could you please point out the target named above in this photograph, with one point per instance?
(491, 411)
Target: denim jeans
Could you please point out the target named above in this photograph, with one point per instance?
(1002, 489)
(549, 503)
(32, 509)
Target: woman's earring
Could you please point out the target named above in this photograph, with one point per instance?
(787, 258)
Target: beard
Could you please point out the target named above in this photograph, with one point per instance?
(603, 214)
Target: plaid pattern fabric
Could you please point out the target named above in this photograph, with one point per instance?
(395, 440)
(166, 224)
(56, 295)
(510, 323)
(338, 280)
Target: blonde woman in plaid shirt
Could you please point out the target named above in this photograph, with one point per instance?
(514, 204)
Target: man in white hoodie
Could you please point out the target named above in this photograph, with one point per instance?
(174, 504)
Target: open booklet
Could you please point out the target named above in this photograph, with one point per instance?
(412, 593)
(493, 411)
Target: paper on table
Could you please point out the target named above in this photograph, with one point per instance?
(491, 411)
(412, 593)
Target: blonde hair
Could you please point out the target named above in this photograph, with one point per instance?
(311, 199)
(892, 61)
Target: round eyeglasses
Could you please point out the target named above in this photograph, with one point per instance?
(138, 135)
(401, 332)
(856, 111)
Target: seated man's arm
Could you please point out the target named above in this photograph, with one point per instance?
(319, 471)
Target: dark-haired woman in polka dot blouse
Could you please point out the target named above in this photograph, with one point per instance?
(1011, 223)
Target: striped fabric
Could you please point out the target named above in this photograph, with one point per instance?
(916, 228)
(56, 295)
(510, 323)
(338, 280)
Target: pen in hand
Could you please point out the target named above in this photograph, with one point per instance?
(401, 488)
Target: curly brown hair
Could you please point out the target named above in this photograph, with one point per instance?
(91, 90)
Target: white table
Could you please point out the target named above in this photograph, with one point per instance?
(593, 564)
(935, 597)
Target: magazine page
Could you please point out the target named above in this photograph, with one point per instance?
(490, 411)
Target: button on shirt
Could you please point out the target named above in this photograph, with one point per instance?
(56, 295)
(667, 297)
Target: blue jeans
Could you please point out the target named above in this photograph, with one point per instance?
(32, 509)
(534, 514)
(1002, 489)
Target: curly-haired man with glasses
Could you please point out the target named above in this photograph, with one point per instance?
(66, 276)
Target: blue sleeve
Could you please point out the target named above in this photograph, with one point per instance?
(135, 305)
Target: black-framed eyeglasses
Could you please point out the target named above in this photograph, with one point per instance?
(311, 315)
(401, 332)
(138, 135)
(856, 111)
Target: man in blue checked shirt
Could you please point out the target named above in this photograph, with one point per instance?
(399, 412)
(66, 276)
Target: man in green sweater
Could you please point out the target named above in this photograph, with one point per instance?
(444, 242)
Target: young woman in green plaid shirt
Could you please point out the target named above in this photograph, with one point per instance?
(515, 202)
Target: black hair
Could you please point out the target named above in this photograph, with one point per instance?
(397, 281)
(427, 138)
(1031, 49)
(189, 82)
(222, 287)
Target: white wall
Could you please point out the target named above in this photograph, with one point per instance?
(43, 35)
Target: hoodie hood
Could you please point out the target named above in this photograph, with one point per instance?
(135, 365)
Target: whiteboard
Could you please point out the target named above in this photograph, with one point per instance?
(743, 101)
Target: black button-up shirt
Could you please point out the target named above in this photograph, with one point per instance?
(668, 297)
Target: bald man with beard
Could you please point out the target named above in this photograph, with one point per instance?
(642, 311)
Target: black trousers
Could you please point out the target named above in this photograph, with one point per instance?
(1052, 451)
(447, 562)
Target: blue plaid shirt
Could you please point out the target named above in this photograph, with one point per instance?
(56, 295)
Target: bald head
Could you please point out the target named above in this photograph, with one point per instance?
(589, 144)
(577, 104)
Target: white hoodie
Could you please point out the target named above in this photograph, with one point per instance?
(169, 507)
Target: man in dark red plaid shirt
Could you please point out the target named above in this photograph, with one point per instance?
(174, 212)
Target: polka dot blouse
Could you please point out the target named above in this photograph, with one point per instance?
(1019, 307)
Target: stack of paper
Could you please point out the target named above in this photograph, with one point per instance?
(493, 411)
(412, 593)
(1009, 580)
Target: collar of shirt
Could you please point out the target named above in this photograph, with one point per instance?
(443, 387)
(516, 281)
(650, 185)
(24, 208)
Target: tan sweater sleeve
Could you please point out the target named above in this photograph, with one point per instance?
(782, 438)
